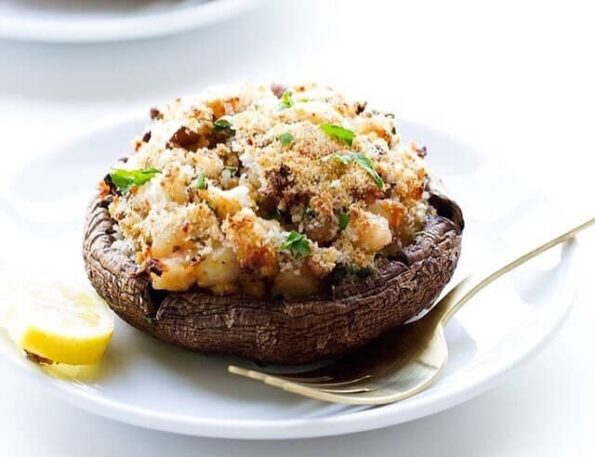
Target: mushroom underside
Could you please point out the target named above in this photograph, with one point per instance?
(293, 331)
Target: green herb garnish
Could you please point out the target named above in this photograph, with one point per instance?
(343, 220)
(201, 181)
(150, 320)
(297, 244)
(286, 138)
(345, 159)
(364, 162)
(367, 164)
(274, 214)
(232, 170)
(125, 179)
(222, 124)
(349, 273)
(286, 100)
(338, 132)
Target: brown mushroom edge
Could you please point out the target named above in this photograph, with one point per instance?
(287, 332)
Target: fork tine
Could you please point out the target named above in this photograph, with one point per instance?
(252, 374)
(306, 379)
(348, 390)
(349, 386)
(321, 381)
(281, 382)
(360, 397)
(263, 375)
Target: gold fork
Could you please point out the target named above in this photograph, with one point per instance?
(404, 361)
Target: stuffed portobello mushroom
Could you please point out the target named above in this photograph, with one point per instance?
(283, 224)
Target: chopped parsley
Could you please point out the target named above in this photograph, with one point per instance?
(367, 164)
(286, 138)
(232, 170)
(150, 320)
(125, 179)
(343, 158)
(363, 161)
(274, 214)
(297, 244)
(286, 99)
(349, 273)
(222, 124)
(343, 220)
(338, 132)
(201, 181)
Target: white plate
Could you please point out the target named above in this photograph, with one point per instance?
(109, 20)
(155, 385)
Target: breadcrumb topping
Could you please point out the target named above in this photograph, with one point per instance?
(266, 190)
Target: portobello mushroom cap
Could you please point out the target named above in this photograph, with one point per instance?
(288, 331)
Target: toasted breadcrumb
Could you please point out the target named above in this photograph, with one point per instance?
(241, 167)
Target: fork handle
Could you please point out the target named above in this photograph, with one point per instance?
(471, 285)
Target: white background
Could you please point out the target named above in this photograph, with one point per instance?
(516, 79)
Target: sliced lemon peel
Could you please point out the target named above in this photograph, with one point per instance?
(64, 323)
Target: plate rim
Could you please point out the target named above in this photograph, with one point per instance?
(121, 29)
(273, 429)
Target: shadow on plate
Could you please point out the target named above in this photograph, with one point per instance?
(107, 8)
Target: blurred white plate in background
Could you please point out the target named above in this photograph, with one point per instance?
(155, 385)
(87, 21)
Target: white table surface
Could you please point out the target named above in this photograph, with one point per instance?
(516, 80)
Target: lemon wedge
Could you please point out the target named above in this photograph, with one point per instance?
(59, 322)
